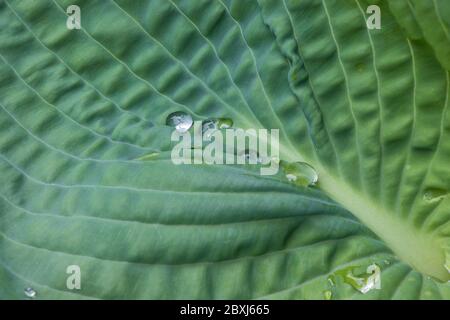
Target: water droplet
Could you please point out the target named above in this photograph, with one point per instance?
(30, 292)
(180, 120)
(224, 123)
(209, 126)
(363, 283)
(434, 194)
(328, 295)
(300, 173)
(291, 177)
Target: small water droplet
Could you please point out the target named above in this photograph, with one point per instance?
(328, 295)
(224, 123)
(210, 126)
(434, 194)
(291, 177)
(180, 120)
(30, 292)
(300, 173)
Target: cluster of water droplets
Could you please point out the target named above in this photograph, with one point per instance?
(182, 122)
(298, 173)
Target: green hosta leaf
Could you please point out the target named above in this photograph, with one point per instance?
(84, 149)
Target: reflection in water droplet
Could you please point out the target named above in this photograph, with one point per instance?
(181, 121)
(30, 292)
(434, 194)
(300, 173)
(327, 295)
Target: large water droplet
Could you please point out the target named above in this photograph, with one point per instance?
(180, 120)
(300, 173)
(434, 194)
(30, 292)
(363, 283)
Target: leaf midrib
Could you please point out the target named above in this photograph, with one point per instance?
(420, 250)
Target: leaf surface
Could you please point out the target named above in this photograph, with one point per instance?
(367, 108)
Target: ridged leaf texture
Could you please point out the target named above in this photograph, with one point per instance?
(367, 108)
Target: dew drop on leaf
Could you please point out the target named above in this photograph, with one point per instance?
(300, 173)
(209, 126)
(30, 292)
(327, 295)
(181, 121)
(363, 283)
(224, 123)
